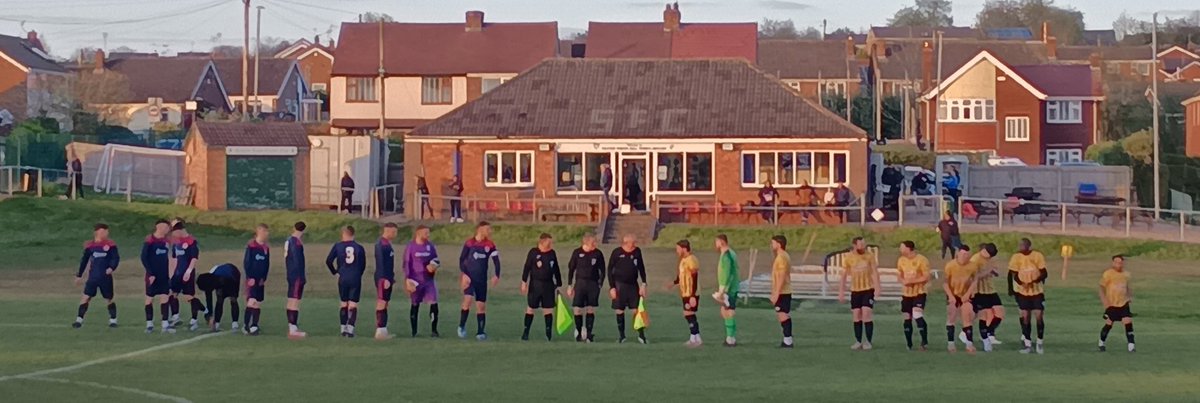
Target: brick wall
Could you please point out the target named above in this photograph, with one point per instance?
(10, 76)
(316, 68)
(1192, 114)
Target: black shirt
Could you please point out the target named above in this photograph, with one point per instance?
(542, 268)
(585, 267)
(626, 267)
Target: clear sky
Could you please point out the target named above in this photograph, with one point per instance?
(187, 25)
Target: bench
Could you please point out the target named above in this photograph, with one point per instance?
(552, 210)
(820, 282)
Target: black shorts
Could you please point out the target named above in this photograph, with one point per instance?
(986, 301)
(862, 299)
(686, 301)
(104, 285)
(160, 286)
(1031, 303)
(627, 297)
(296, 288)
(908, 303)
(784, 303)
(478, 289)
(540, 296)
(350, 292)
(179, 286)
(257, 292)
(1116, 314)
(384, 294)
(586, 295)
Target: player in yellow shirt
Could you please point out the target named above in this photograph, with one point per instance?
(960, 286)
(689, 289)
(912, 271)
(1026, 278)
(988, 308)
(781, 288)
(1115, 295)
(860, 266)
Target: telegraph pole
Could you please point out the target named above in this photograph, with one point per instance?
(245, 60)
(257, 52)
(382, 93)
(1154, 106)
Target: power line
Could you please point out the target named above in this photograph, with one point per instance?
(298, 3)
(89, 23)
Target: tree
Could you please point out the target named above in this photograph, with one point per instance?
(841, 33)
(777, 29)
(1126, 26)
(924, 13)
(372, 16)
(99, 93)
(810, 33)
(580, 36)
(226, 52)
(1066, 24)
(271, 45)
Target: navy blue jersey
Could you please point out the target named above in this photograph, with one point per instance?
(473, 261)
(351, 261)
(293, 257)
(257, 260)
(156, 257)
(226, 270)
(185, 250)
(101, 256)
(385, 260)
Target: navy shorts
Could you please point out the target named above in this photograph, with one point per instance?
(296, 288)
(384, 294)
(540, 296)
(908, 303)
(627, 297)
(160, 286)
(350, 291)
(478, 289)
(257, 291)
(179, 286)
(104, 285)
(586, 295)
(862, 299)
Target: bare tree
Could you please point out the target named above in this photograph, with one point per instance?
(924, 13)
(372, 16)
(98, 92)
(777, 29)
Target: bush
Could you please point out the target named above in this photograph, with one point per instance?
(907, 155)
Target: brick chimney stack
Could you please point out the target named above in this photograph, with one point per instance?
(32, 38)
(671, 18)
(474, 21)
(317, 39)
(851, 50)
(99, 61)
(926, 66)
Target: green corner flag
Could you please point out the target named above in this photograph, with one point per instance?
(564, 321)
(642, 320)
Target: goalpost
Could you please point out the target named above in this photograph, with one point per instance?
(142, 170)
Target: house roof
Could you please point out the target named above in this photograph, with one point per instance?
(1111, 53)
(663, 98)
(225, 134)
(905, 61)
(271, 78)
(1013, 33)
(302, 47)
(443, 48)
(174, 80)
(27, 56)
(1060, 80)
(635, 40)
(806, 59)
(923, 32)
(1100, 37)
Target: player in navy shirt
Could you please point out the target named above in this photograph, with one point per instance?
(351, 263)
(473, 261)
(540, 280)
(100, 260)
(293, 257)
(183, 279)
(385, 279)
(420, 265)
(225, 280)
(257, 261)
(156, 259)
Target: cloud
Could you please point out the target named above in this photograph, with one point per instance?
(783, 5)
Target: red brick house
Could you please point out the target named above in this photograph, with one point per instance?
(248, 166)
(1042, 114)
(814, 68)
(159, 89)
(1191, 114)
(672, 39)
(282, 90)
(679, 130)
(315, 60)
(27, 80)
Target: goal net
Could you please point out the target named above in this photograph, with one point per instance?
(147, 171)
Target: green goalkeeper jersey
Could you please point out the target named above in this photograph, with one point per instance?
(727, 272)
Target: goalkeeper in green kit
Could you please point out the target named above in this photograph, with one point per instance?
(727, 287)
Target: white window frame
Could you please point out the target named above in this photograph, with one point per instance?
(793, 84)
(364, 90)
(437, 90)
(838, 88)
(958, 109)
(1062, 155)
(797, 182)
(712, 175)
(483, 87)
(1142, 68)
(1064, 112)
(318, 87)
(583, 160)
(498, 181)
(1016, 129)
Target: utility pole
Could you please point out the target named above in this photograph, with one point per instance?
(1154, 106)
(937, 125)
(245, 60)
(382, 88)
(257, 52)
(878, 102)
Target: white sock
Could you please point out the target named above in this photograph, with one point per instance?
(1039, 342)
(192, 322)
(78, 319)
(293, 328)
(165, 324)
(787, 340)
(1101, 343)
(149, 323)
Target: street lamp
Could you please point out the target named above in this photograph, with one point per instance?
(1154, 113)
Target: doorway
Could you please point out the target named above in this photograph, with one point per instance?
(633, 180)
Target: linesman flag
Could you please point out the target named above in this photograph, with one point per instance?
(642, 320)
(564, 321)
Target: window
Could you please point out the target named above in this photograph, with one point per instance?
(684, 172)
(1058, 156)
(833, 88)
(1112, 68)
(360, 89)
(437, 90)
(1016, 129)
(318, 87)
(794, 84)
(581, 171)
(793, 169)
(966, 110)
(508, 168)
(1064, 112)
(491, 83)
(1142, 68)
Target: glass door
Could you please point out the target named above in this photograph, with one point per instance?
(634, 183)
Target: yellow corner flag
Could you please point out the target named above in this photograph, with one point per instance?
(564, 321)
(642, 320)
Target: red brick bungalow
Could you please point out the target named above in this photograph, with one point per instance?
(672, 39)
(693, 131)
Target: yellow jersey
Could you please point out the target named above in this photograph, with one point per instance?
(781, 273)
(1028, 269)
(689, 273)
(913, 268)
(959, 276)
(861, 268)
(983, 274)
(1116, 287)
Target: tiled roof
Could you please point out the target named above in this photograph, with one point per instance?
(172, 79)
(905, 60)
(21, 51)
(374, 123)
(1100, 37)
(597, 98)
(1110, 53)
(1064, 80)
(806, 59)
(270, 79)
(224, 134)
(444, 48)
(635, 40)
(923, 32)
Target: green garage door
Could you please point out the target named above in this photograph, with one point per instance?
(254, 183)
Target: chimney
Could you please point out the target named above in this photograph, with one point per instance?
(474, 21)
(1045, 31)
(851, 51)
(926, 66)
(331, 43)
(317, 39)
(1097, 73)
(671, 18)
(1052, 47)
(99, 61)
(32, 38)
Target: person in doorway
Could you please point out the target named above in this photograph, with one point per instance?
(456, 191)
(948, 229)
(767, 197)
(423, 189)
(606, 184)
(347, 192)
(633, 188)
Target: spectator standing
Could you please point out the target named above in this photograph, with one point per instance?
(423, 189)
(808, 198)
(347, 192)
(767, 197)
(75, 168)
(456, 191)
(948, 229)
(606, 184)
(841, 198)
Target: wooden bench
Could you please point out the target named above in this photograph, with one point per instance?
(820, 282)
(560, 209)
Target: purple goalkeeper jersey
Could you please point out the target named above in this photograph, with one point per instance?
(417, 257)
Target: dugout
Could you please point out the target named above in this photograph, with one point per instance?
(248, 166)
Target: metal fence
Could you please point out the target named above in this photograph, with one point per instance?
(34, 181)
(508, 208)
(718, 214)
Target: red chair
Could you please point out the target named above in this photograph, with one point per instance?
(528, 207)
(692, 207)
(514, 206)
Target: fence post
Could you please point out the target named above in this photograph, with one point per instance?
(41, 173)
(1128, 219)
(1000, 214)
(1063, 216)
(900, 210)
(862, 210)
(1181, 224)
(129, 188)
(959, 208)
(10, 181)
(775, 213)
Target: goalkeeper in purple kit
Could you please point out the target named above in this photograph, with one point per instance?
(420, 264)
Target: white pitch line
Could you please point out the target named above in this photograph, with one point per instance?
(31, 325)
(146, 393)
(99, 361)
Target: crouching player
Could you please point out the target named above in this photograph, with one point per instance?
(100, 260)
(351, 263)
(1115, 295)
(224, 280)
(988, 307)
